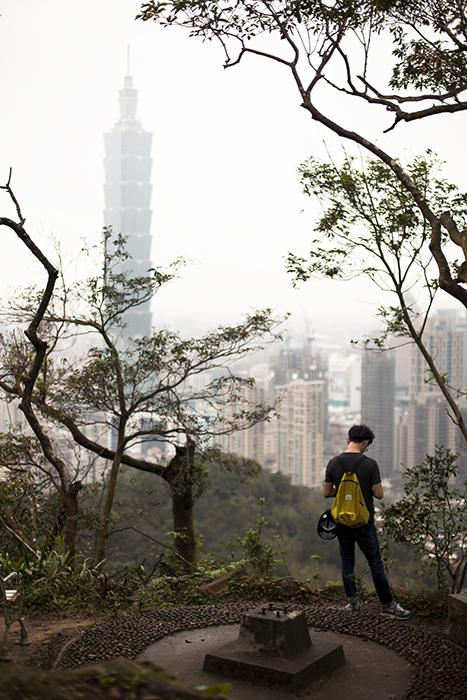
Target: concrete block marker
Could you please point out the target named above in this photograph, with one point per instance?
(457, 618)
(274, 648)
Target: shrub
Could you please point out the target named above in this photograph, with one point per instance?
(431, 517)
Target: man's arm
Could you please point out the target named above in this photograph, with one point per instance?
(376, 485)
(329, 489)
(377, 491)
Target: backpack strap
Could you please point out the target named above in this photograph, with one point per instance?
(352, 471)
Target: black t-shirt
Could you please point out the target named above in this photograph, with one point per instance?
(367, 471)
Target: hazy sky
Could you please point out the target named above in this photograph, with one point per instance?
(226, 145)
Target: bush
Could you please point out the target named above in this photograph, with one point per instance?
(259, 554)
(52, 584)
(431, 517)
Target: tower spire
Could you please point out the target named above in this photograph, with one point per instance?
(128, 94)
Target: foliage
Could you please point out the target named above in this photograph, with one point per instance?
(50, 583)
(161, 387)
(223, 514)
(27, 511)
(54, 583)
(424, 603)
(370, 225)
(169, 590)
(143, 576)
(162, 392)
(427, 36)
(259, 554)
(431, 517)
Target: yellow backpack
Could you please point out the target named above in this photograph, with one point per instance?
(349, 507)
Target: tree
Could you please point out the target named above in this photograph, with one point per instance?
(33, 511)
(142, 511)
(432, 518)
(370, 227)
(26, 375)
(160, 389)
(331, 46)
(18, 514)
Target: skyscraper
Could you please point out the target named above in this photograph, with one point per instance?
(378, 401)
(128, 195)
(245, 443)
(301, 431)
(428, 418)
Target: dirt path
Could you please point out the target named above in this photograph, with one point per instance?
(40, 631)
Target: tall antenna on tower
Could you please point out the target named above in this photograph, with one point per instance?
(128, 59)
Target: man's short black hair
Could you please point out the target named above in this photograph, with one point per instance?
(359, 433)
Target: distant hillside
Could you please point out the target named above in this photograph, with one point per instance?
(225, 511)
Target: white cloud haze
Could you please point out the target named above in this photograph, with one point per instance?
(226, 145)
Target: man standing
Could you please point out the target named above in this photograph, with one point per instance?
(354, 460)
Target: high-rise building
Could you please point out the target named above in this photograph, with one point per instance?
(378, 401)
(344, 399)
(295, 363)
(345, 378)
(128, 196)
(444, 340)
(428, 422)
(245, 443)
(300, 447)
(293, 442)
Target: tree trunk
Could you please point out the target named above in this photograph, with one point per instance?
(107, 512)
(66, 522)
(184, 526)
(71, 512)
(180, 475)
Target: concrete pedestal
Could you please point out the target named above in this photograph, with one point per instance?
(457, 618)
(274, 648)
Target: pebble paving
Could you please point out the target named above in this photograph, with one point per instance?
(440, 666)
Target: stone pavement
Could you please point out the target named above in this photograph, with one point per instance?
(371, 671)
(439, 665)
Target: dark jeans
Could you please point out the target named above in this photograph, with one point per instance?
(367, 539)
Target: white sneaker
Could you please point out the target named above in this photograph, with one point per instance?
(354, 605)
(396, 611)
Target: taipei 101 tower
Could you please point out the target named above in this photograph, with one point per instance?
(127, 192)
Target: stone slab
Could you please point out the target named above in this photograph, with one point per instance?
(292, 674)
(457, 618)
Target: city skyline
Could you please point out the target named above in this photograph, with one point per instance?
(322, 391)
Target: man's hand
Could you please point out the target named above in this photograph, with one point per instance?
(378, 491)
(329, 490)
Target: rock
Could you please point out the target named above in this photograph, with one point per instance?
(119, 679)
(289, 585)
(220, 585)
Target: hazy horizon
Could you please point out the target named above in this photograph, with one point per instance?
(226, 147)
